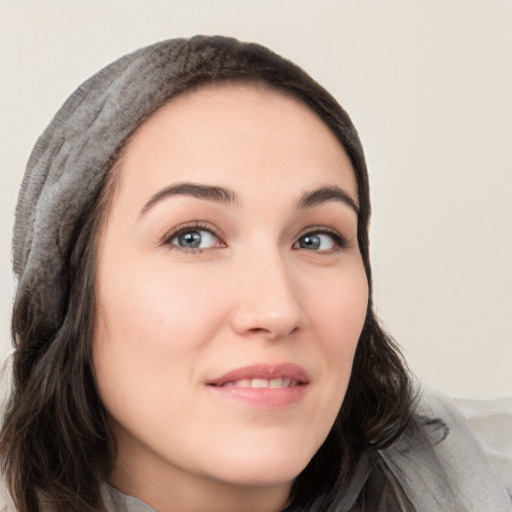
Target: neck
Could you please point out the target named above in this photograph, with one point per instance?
(171, 490)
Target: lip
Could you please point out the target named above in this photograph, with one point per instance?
(225, 384)
(263, 371)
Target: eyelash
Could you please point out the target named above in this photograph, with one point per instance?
(193, 226)
(339, 240)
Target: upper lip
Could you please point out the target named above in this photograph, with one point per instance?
(263, 371)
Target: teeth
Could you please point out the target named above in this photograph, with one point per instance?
(259, 383)
(262, 383)
(275, 383)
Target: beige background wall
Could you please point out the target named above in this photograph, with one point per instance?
(428, 83)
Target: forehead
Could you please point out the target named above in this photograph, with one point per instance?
(242, 132)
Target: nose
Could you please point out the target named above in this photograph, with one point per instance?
(268, 300)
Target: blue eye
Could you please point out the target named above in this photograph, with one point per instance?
(195, 239)
(319, 241)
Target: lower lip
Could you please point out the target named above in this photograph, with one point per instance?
(263, 397)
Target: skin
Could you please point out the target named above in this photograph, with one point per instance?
(170, 318)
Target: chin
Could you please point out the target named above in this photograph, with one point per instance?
(264, 476)
(269, 465)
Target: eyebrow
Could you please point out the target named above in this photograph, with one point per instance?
(209, 192)
(324, 194)
(227, 196)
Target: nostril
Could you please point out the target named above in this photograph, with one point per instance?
(272, 333)
(258, 330)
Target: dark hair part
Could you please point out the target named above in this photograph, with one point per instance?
(56, 442)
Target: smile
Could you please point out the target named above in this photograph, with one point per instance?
(263, 376)
(262, 383)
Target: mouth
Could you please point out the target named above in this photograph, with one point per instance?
(263, 385)
(282, 375)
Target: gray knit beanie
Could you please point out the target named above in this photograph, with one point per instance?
(67, 165)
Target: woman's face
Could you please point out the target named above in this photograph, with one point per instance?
(231, 293)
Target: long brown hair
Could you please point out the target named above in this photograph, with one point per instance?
(56, 443)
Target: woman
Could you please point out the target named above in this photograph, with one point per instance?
(193, 320)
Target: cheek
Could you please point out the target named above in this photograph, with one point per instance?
(151, 326)
(341, 315)
(338, 309)
(157, 305)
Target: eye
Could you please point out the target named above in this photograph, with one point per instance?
(320, 241)
(194, 238)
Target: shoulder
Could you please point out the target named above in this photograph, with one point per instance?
(441, 462)
(486, 422)
(116, 501)
(491, 421)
